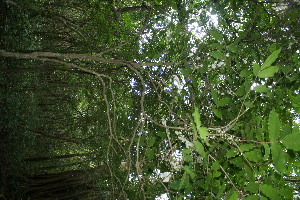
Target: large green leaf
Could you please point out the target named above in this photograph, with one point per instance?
(175, 185)
(216, 34)
(260, 88)
(232, 153)
(270, 59)
(218, 113)
(152, 141)
(199, 148)
(270, 191)
(233, 196)
(232, 47)
(217, 174)
(203, 134)
(217, 55)
(196, 116)
(253, 156)
(268, 72)
(245, 73)
(278, 157)
(256, 68)
(267, 152)
(150, 154)
(224, 101)
(252, 187)
(215, 96)
(292, 141)
(184, 180)
(246, 147)
(189, 171)
(274, 126)
(216, 46)
(252, 197)
(240, 91)
(215, 166)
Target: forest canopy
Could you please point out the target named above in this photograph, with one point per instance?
(160, 99)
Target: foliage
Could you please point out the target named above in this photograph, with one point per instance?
(133, 100)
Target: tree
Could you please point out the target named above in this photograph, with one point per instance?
(191, 99)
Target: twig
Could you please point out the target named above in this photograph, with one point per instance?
(225, 173)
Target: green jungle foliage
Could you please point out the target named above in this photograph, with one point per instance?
(160, 99)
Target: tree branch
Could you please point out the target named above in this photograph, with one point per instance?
(43, 55)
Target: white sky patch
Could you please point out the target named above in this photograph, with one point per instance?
(213, 18)
(200, 31)
(256, 84)
(132, 82)
(162, 197)
(197, 30)
(177, 82)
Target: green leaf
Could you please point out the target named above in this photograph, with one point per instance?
(238, 161)
(245, 73)
(217, 113)
(274, 126)
(278, 157)
(199, 148)
(246, 147)
(248, 104)
(215, 166)
(270, 59)
(284, 68)
(233, 196)
(252, 197)
(256, 69)
(252, 187)
(186, 151)
(216, 46)
(232, 47)
(172, 4)
(183, 180)
(203, 133)
(253, 156)
(150, 154)
(272, 47)
(232, 153)
(240, 92)
(296, 129)
(186, 71)
(224, 101)
(189, 188)
(216, 35)
(217, 55)
(249, 172)
(292, 141)
(268, 72)
(196, 116)
(267, 151)
(215, 96)
(188, 158)
(270, 191)
(161, 134)
(189, 171)
(217, 174)
(151, 141)
(260, 88)
(175, 185)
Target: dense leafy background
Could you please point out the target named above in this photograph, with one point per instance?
(149, 99)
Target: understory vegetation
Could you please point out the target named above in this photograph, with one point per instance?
(160, 99)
